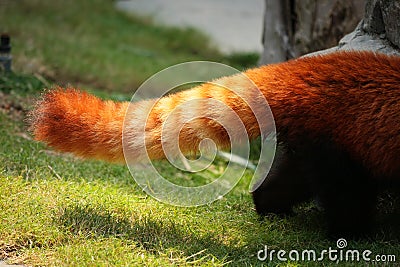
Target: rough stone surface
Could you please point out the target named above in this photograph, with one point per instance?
(360, 40)
(378, 31)
(373, 20)
(391, 14)
(321, 24)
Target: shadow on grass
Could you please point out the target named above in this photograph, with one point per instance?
(152, 234)
(159, 234)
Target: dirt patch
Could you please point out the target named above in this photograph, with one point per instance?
(14, 106)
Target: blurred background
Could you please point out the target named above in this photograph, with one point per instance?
(232, 25)
(110, 45)
(116, 45)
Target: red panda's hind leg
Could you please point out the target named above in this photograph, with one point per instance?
(347, 193)
(286, 185)
(342, 186)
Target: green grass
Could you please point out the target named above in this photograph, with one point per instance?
(57, 210)
(92, 44)
(61, 211)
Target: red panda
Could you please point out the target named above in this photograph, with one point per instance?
(337, 118)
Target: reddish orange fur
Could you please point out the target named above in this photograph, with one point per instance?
(352, 97)
(77, 122)
(338, 116)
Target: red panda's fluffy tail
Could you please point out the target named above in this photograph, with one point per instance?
(73, 121)
(337, 96)
(76, 122)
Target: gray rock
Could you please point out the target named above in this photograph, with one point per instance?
(379, 31)
(361, 40)
(391, 14)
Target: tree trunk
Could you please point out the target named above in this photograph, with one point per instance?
(378, 31)
(296, 27)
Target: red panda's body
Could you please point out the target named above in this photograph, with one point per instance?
(337, 118)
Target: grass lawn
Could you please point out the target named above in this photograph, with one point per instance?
(91, 44)
(57, 210)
